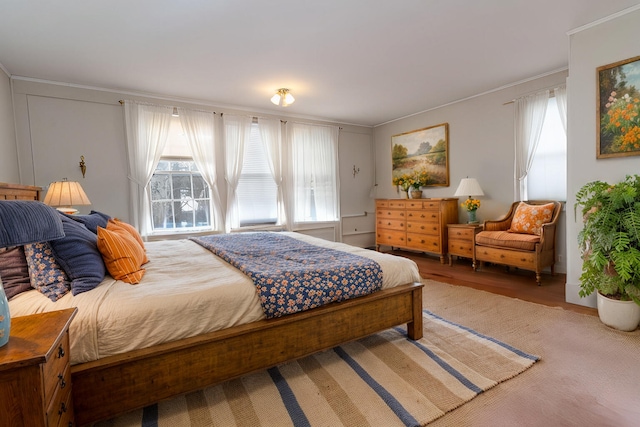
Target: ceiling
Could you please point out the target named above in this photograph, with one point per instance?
(362, 62)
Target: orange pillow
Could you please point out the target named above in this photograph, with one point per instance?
(122, 254)
(528, 219)
(116, 223)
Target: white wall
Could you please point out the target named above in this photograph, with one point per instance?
(56, 124)
(591, 47)
(481, 146)
(8, 159)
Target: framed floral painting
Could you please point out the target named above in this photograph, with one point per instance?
(618, 109)
(421, 156)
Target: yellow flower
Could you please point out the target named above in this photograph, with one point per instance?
(471, 204)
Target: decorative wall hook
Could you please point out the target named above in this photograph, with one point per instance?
(355, 171)
(83, 166)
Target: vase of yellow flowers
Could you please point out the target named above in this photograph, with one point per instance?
(471, 206)
(411, 183)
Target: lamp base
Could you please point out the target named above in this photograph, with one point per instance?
(68, 211)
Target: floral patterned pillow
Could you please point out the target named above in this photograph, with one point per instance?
(44, 272)
(528, 219)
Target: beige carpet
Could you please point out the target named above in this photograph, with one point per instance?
(588, 375)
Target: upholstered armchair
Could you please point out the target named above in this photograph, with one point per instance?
(525, 238)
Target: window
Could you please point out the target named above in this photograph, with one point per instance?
(547, 178)
(257, 192)
(180, 197)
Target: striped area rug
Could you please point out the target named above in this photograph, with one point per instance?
(381, 380)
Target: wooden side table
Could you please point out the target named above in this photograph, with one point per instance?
(462, 240)
(35, 374)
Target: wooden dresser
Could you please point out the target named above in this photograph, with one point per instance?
(416, 224)
(35, 376)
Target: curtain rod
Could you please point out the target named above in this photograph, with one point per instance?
(551, 90)
(163, 105)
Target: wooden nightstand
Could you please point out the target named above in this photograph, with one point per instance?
(461, 240)
(35, 377)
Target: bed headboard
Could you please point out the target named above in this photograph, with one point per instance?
(19, 192)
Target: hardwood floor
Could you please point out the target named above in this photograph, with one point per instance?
(513, 283)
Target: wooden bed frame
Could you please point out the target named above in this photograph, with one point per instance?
(117, 384)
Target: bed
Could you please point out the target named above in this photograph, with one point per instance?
(113, 374)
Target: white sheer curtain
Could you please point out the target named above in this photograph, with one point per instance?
(271, 133)
(237, 130)
(561, 100)
(529, 118)
(147, 128)
(199, 127)
(314, 167)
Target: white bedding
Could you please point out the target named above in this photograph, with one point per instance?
(186, 291)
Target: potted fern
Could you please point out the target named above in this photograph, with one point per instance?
(610, 249)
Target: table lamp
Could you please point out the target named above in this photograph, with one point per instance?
(23, 222)
(64, 194)
(469, 187)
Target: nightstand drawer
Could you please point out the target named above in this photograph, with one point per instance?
(55, 368)
(461, 233)
(61, 402)
(460, 248)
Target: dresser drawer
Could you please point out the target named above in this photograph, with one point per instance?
(432, 228)
(391, 238)
(423, 216)
(391, 224)
(424, 242)
(398, 204)
(55, 367)
(390, 213)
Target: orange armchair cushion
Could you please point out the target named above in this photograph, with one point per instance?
(505, 239)
(528, 219)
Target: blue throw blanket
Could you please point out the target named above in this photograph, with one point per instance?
(291, 275)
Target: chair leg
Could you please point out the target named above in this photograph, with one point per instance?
(538, 279)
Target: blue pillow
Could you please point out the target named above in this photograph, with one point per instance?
(91, 221)
(23, 222)
(103, 215)
(78, 255)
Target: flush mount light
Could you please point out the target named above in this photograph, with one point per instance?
(283, 97)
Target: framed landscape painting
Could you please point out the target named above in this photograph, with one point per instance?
(618, 109)
(422, 150)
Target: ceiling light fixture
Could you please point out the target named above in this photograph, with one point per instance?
(283, 97)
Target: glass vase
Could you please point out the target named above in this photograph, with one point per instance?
(472, 217)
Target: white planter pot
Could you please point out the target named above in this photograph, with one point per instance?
(621, 315)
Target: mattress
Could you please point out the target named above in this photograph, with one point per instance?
(186, 291)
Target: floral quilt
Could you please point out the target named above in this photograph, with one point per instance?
(291, 275)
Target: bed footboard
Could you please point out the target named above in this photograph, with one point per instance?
(121, 383)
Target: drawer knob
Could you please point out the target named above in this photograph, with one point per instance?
(63, 409)
(63, 383)
(60, 352)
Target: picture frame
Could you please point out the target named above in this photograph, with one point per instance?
(420, 150)
(618, 109)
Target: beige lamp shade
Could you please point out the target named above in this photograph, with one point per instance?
(65, 194)
(469, 187)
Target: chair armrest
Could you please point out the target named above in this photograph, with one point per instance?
(497, 225)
